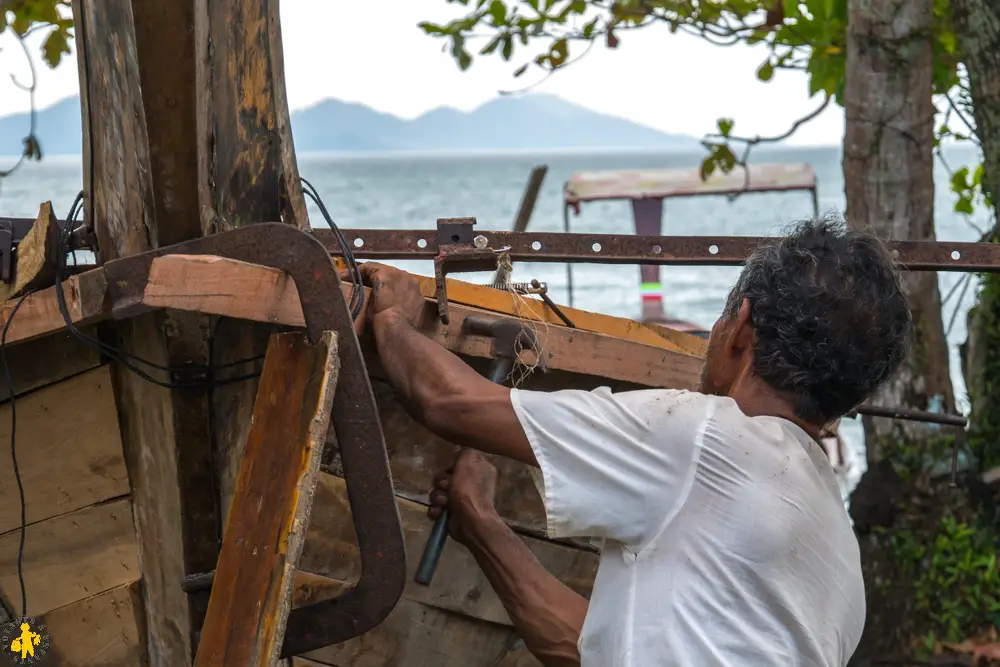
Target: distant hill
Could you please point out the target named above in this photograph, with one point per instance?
(533, 121)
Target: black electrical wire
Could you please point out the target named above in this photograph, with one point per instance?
(357, 302)
(13, 451)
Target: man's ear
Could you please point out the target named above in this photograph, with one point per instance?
(740, 334)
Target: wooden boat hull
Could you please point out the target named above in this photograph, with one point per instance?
(83, 562)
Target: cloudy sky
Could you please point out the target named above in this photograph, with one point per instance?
(343, 49)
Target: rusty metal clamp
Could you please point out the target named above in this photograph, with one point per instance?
(355, 420)
(459, 250)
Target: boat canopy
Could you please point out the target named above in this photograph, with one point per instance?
(635, 184)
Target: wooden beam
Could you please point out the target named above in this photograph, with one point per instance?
(69, 450)
(165, 433)
(247, 153)
(35, 260)
(39, 314)
(71, 557)
(236, 289)
(252, 591)
(530, 308)
(115, 150)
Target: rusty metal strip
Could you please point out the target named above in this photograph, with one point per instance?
(631, 249)
(355, 420)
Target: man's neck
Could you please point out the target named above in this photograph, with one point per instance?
(756, 398)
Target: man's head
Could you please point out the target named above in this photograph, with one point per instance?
(818, 316)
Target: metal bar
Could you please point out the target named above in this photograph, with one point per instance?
(631, 249)
(910, 415)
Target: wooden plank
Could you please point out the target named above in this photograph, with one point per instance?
(69, 449)
(46, 360)
(115, 150)
(248, 155)
(252, 591)
(35, 265)
(415, 635)
(71, 557)
(39, 314)
(104, 630)
(263, 294)
(531, 308)
(331, 551)
(167, 69)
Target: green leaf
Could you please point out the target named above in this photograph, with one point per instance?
(725, 126)
(964, 205)
(498, 12)
(54, 47)
(765, 71)
(508, 47)
(558, 53)
(520, 70)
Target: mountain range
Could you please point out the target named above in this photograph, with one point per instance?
(533, 121)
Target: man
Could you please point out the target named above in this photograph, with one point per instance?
(725, 538)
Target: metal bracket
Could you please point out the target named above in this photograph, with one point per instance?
(355, 420)
(459, 250)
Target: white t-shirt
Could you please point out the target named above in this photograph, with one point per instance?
(725, 539)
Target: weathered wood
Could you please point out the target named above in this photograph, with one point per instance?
(236, 289)
(166, 433)
(331, 551)
(247, 154)
(115, 149)
(252, 591)
(531, 308)
(71, 557)
(39, 314)
(46, 360)
(167, 69)
(415, 635)
(104, 630)
(69, 449)
(35, 264)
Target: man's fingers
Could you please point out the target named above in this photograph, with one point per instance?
(439, 498)
(345, 276)
(434, 511)
(442, 480)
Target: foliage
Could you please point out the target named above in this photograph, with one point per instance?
(804, 35)
(26, 16)
(23, 18)
(955, 576)
(984, 438)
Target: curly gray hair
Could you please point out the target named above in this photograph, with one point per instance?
(830, 319)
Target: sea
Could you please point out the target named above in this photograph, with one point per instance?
(411, 191)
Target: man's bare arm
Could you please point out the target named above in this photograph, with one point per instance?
(445, 394)
(545, 612)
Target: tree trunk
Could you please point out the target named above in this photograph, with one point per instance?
(977, 24)
(889, 183)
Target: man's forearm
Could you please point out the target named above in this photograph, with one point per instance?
(545, 612)
(445, 394)
(419, 369)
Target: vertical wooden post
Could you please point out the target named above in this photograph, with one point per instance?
(119, 207)
(252, 592)
(202, 145)
(248, 172)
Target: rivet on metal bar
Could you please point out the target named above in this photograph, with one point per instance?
(459, 250)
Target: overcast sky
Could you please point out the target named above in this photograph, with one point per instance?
(344, 49)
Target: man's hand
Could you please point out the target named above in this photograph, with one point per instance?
(394, 292)
(467, 489)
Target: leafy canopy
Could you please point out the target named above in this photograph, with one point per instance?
(805, 35)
